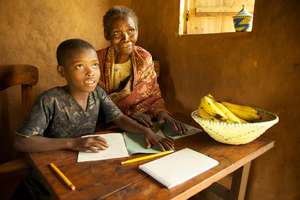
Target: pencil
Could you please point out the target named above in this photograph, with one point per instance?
(62, 176)
(146, 157)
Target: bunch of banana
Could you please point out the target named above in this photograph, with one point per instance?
(202, 113)
(209, 108)
(244, 112)
(231, 117)
(208, 104)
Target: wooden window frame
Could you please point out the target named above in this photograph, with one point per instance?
(189, 13)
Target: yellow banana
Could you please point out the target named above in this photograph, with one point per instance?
(203, 114)
(244, 112)
(208, 104)
(231, 117)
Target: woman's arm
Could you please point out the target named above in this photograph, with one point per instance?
(40, 144)
(151, 138)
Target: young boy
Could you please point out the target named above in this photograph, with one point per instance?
(62, 114)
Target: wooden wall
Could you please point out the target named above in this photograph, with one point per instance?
(261, 68)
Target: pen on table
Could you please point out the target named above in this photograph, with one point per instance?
(62, 176)
(146, 157)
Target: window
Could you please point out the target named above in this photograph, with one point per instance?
(211, 16)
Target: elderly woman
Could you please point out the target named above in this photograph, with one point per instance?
(127, 71)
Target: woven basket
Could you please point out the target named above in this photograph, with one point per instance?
(237, 133)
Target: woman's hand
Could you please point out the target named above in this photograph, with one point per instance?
(89, 144)
(142, 118)
(128, 124)
(152, 139)
(164, 117)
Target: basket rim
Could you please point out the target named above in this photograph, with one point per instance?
(196, 117)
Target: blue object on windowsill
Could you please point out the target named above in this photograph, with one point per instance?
(243, 21)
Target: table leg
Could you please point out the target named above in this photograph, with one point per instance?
(237, 191)
(239, 182)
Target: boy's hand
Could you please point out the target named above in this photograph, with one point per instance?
(152, 139)
(142, 118)
(164, 117)
(89, 144)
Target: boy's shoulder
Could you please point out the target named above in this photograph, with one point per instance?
(54, 91)
(100, 91)
(59, 91)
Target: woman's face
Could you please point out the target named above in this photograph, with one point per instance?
(124, 35)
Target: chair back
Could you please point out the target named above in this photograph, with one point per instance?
(24, 75)
(13, 171)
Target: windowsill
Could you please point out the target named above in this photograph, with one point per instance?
(223, 34)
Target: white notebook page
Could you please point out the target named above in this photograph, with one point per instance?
(116, 148)
(178, 167)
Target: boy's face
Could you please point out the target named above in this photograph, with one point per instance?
(81, 70)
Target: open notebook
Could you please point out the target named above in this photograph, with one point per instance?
(178, 167)
(135, 142)
(116, 149)
(125, 144)
(119, 145)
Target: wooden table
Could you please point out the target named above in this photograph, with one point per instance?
(110, 180)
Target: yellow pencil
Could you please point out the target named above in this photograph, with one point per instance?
(62, 176)
(146, 157)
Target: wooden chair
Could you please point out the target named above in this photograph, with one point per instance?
(26, 76)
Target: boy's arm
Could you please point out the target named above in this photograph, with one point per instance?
(151, 138)
(40, 144)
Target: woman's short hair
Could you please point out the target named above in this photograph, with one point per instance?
(115, 13)
(68, 46)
